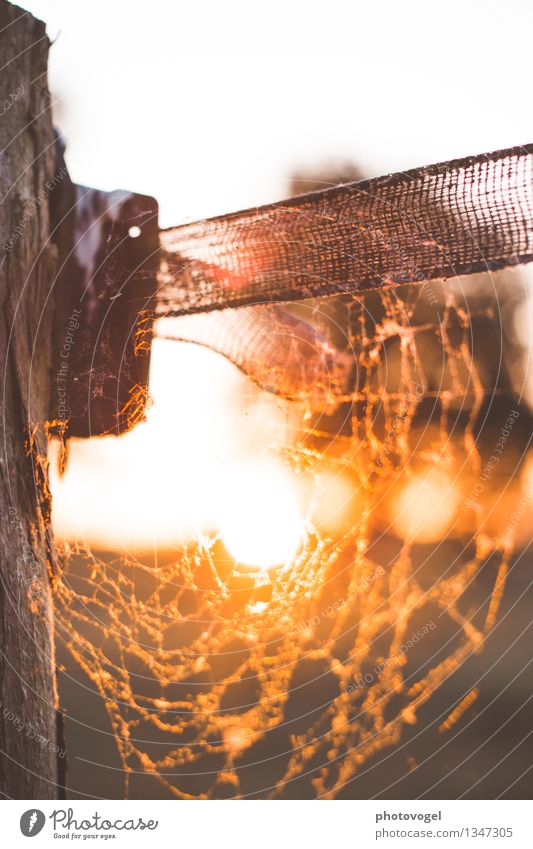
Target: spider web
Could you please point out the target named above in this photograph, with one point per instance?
(224, 682)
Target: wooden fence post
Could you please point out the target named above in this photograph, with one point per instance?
(28, 261)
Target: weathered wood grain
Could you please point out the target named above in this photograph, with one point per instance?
(28, 762)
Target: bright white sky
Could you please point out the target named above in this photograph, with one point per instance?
(209, 105)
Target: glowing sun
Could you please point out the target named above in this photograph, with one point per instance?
(261, 523)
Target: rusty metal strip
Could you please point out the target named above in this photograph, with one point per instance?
(440, 221)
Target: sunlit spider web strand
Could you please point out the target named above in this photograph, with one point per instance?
(199, 665)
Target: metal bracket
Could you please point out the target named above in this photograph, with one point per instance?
(108, 246)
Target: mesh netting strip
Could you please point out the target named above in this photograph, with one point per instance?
(440, 221)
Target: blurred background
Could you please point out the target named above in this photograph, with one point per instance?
(213, 108)
(216, 107)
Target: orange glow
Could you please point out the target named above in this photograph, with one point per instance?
(425, 506)
(260, 522)
(336, 501)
